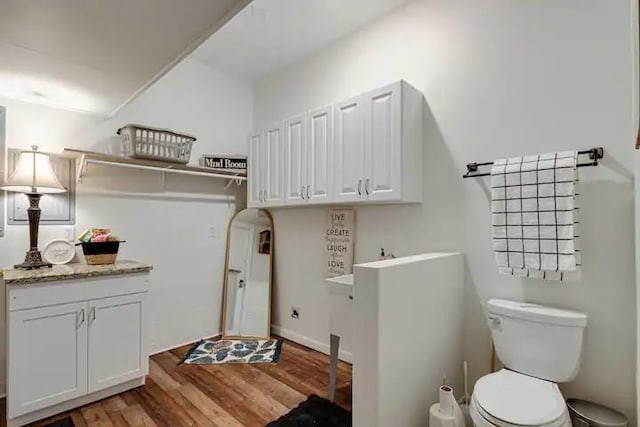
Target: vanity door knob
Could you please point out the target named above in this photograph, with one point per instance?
(308, 187)
(302, 191)
(366, 186)
(359, 187)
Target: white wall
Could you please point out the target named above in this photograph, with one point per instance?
(499, 79)
(168, 227)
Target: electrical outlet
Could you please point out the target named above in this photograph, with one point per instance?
(213, 232)
(295, 312)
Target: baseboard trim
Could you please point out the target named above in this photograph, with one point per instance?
(320, 346)
(183, 344)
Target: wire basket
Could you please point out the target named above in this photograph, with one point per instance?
(143, 142)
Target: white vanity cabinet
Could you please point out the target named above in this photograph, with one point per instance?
(70, 342)
(366, 149)
(47, 357)
(116, 323)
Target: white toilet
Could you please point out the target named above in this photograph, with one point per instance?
(539, 347)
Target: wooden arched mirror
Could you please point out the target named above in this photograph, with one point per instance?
(246, 308)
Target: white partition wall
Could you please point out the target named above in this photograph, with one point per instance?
(408, 316)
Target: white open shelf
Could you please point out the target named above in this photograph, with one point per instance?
(84, 158)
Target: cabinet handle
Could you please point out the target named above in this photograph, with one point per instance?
(308, 187)
(264, 197)
(81, 317)
(92, 313)
(359, 187)
(366, 186)
(302, 191)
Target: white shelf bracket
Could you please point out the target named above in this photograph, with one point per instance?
(81, 168)
(235, 180)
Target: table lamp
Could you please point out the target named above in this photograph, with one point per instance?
(33, 176)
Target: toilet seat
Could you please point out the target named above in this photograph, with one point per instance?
(483, 419)
(507, 398)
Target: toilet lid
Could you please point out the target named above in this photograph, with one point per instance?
(519, 399)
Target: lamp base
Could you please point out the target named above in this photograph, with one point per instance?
(33, 260)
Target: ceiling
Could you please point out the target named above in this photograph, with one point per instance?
(95, 55)
(270, 34)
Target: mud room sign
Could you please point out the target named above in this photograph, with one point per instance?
(339, 241)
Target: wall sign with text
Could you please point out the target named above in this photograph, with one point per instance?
(229, 163)
(339, 238)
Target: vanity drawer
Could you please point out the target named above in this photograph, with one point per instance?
(22, 297)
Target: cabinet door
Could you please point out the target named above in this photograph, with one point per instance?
(47, 357)
(273, 170)
(383, 152)
(295, 169)
(349, 150)
(117, 349)
(255, 178)
(319, 144)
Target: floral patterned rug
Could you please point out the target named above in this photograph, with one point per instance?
(233, 351)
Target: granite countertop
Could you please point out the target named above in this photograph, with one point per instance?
(72, 271)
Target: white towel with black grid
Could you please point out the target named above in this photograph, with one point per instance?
(534, 216)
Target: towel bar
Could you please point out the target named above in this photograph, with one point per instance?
(594, 155)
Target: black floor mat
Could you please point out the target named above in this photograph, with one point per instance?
(65, 422)
(315, 412)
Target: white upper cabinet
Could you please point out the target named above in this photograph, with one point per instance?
(266, 162)
(319, 155)
(349, 147)
(383, 146)
(273, 165)
(255, 179)
(367, 149)
(295, 154)
(307, 157)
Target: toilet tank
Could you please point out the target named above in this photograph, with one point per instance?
(536, 340)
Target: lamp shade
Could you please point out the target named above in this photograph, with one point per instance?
(34, 174)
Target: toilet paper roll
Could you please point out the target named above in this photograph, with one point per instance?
(447, 401)
(449, 406)
(438, 419)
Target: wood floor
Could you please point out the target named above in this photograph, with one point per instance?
(217, 395)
